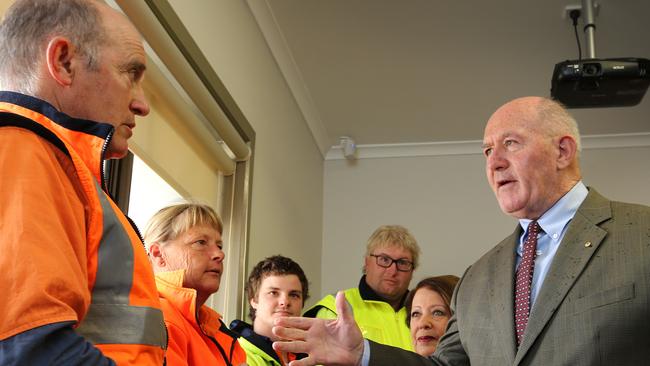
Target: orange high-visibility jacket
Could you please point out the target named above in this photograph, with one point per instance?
(196, 336)
(68, 254)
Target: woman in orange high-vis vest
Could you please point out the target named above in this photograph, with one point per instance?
(185, 248)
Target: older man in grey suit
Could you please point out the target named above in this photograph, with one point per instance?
(571, 285)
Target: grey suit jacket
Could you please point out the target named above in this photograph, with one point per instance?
(593, 307)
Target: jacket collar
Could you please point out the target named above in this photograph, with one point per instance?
(89, 139)
(368, 294)
(581, 241)
(569, 262)
(265, 344)
(170, 287)
(246, 331)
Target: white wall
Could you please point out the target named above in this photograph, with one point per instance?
(286, 213)
(447, 204)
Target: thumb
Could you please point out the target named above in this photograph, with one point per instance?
(343, 308)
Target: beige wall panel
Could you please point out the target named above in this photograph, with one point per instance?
(447, 204)
(287, 193)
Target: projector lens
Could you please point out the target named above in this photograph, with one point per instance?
(591, 69)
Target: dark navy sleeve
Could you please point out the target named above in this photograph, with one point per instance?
(51, 344)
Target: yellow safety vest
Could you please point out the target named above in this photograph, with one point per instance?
(378, 321)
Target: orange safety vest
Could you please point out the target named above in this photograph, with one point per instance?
(68, 252)
(196, 336)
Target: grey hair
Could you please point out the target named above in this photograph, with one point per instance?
(29, 24)
(556, 114)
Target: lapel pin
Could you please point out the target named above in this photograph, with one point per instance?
(588, 244)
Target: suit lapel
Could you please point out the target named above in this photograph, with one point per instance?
(570, 260)
(502, 293)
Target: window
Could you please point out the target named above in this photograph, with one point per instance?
(196, 140)
(149, 193)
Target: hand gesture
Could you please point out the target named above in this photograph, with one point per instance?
(327, 342)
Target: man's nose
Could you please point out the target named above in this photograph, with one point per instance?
(496, 160)
(139, 105)
(283, 300)
(392, 268)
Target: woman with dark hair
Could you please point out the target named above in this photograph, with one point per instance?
(428, 311)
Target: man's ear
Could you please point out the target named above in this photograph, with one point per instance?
(567, 148)
(156, 256)
(253, 302)
(61, 60)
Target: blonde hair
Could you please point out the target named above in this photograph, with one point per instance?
(171, 221)
(394, 235)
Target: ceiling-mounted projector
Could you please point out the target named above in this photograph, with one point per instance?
(616, 82)
(593, 82)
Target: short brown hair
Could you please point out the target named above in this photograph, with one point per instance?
(276, 265)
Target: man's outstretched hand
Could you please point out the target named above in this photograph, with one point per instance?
(326, 342)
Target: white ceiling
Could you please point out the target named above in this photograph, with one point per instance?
(406, 71)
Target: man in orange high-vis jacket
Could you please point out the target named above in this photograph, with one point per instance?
(77, 287)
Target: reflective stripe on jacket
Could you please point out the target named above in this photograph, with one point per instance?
(75, 255)
(378, 320)
(196, 336)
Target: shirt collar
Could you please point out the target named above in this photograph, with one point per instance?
(554, 221)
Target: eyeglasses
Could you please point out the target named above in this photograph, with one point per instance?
(403, 265)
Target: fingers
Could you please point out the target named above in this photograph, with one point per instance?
(295, 322)
(289, 333)
(343, 308)
(290, 346)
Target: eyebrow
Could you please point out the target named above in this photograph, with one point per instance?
(136, 65)
(395, 259)
(505, 135)
(277, 288)
(204, 236)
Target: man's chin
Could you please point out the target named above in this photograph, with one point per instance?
(392, 294)
(508, 205)
(116, 153)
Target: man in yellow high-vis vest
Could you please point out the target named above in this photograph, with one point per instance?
(392, 255)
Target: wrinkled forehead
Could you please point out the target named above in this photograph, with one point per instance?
(511, 122)
(518, 113)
